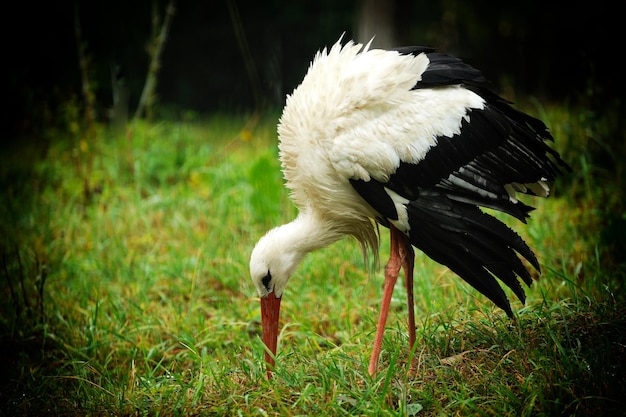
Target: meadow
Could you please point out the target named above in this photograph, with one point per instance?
(124, 264)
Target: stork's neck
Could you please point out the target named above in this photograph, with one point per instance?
(309, 232)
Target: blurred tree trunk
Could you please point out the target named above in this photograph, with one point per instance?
(148, 95)
(119, 111)
(376, 20)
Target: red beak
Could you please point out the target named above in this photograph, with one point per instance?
(270, 310)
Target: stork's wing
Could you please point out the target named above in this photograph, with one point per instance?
(473, 244)
(498, 150)
(444, 69)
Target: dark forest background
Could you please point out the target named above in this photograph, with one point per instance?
(559, 51)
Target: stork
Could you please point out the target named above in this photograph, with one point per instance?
(415, 141)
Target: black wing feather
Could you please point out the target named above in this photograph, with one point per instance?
(444, 69)
(475, 245)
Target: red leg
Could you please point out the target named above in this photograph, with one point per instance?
(399, 257)
(408, 258)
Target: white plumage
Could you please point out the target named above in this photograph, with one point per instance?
(415, 141)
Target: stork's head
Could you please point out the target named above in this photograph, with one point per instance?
(272, 262)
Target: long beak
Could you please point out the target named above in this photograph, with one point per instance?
(270, 310)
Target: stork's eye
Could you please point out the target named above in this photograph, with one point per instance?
(266, 280)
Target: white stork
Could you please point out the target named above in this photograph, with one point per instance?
(415, 141)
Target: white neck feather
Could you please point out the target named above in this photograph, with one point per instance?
(307, 233)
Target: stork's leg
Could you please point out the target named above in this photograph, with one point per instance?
(392, 269)
(407, 255)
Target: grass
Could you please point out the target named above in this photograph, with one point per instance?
(126, 290)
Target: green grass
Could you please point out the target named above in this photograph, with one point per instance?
(126, 287)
